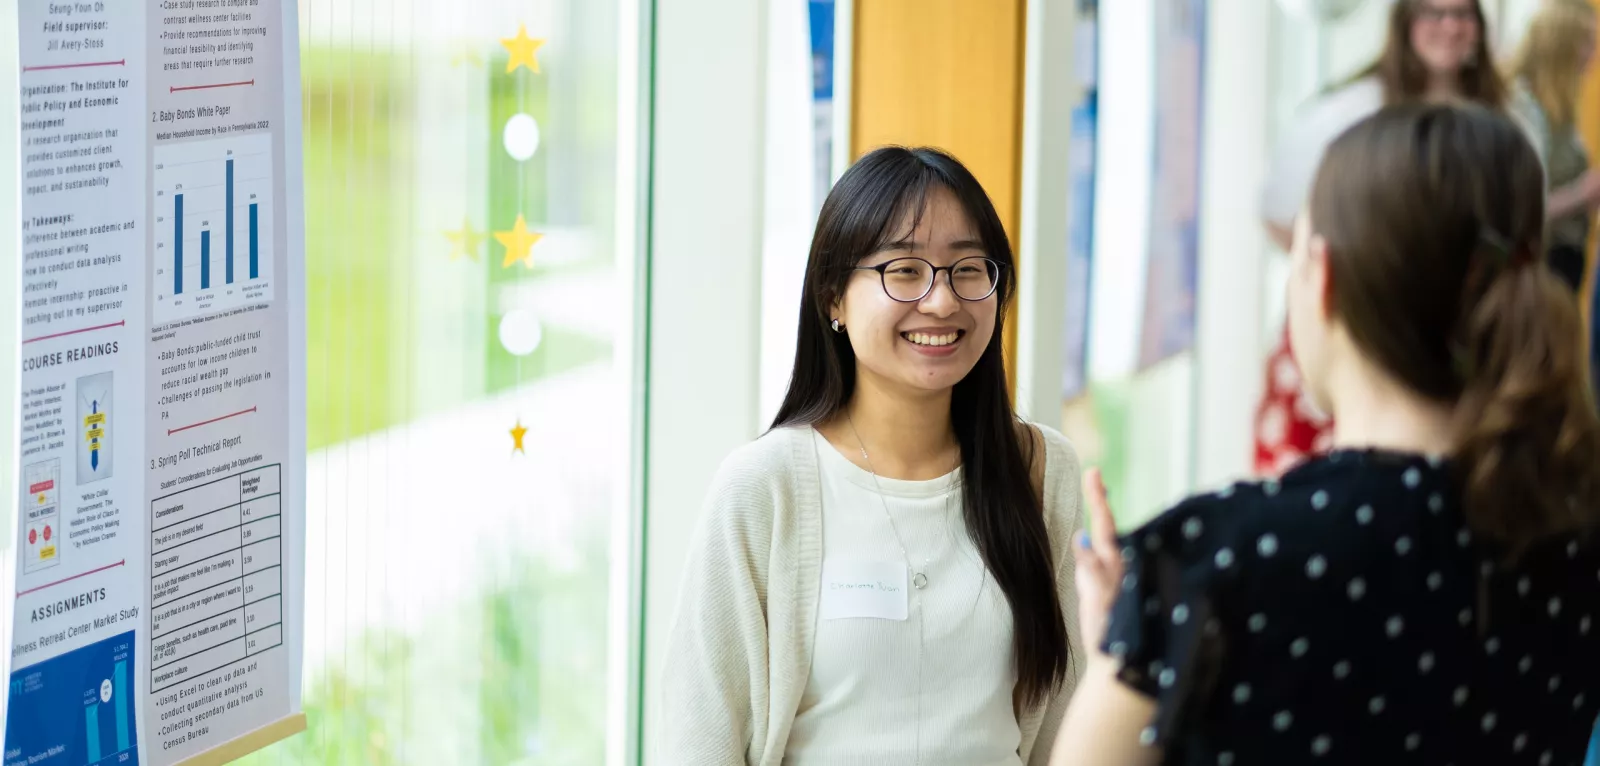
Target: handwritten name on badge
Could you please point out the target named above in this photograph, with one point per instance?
(856, 588)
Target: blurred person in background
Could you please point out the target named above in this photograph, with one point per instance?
(1546, 73)
(885, 576)
(1426, 592)
(1435, 50)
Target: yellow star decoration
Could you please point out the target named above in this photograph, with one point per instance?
(523, 50)
(465, 53)
(519, 243)
(465, 241)
(516, 437)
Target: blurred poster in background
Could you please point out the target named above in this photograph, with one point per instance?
(1172, 268)
(821, 14)
(1080, 203)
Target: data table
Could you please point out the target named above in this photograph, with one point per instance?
(215, 575)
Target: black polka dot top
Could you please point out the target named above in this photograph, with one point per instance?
(1346, 615)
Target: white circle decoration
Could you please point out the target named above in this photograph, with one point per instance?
(521, 137)
(520, 332)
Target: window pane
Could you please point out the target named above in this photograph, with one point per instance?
(466, 299)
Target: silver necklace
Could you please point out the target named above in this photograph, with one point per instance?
(919, 580)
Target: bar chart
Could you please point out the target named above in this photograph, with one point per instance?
(213, 226)
(118, 697)
(97, 678)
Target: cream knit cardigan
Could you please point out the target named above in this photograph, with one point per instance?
(739, 654)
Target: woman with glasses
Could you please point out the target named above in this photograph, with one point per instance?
(1427, 592)
(884, 577)
(1436, 50)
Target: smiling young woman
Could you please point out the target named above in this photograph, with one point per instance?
(885, 576)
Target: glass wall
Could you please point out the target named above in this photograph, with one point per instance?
(469, 384)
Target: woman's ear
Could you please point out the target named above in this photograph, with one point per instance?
(1321, 271)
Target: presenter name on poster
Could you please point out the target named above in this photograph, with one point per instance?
(68, 9)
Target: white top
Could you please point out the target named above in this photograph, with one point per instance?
(1299, 152)
(1526, 108)
(739, 658)
(953, 647)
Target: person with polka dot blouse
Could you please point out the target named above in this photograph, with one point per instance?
(1427, 592)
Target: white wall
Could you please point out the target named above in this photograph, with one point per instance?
(1514, 16)
(1122, 186)
(1354, 41)
(705, 280)
(1050, 90)
(1233, 247)
(788, 171)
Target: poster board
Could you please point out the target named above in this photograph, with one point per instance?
(158, 530)
(1172, 272)
(1082, 145)
(821, 15)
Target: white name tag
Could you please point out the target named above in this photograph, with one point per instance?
(854, 588)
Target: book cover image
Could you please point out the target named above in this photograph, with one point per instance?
(94, 428)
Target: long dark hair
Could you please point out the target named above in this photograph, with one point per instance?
(1433, 216)
(1405, 78)
(1004, 517)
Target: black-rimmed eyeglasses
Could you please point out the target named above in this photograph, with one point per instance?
(1434, 14)
(910, 279)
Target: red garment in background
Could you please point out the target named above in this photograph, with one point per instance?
(1288, 428)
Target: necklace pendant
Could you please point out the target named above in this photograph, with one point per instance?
(919, 581)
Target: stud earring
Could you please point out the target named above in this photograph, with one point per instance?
(837, 327)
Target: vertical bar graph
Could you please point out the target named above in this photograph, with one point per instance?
(91, 727)
(214, 199)
(255, 257)
(43, 723)
(177, 244)
(228, 227)
(123, 696)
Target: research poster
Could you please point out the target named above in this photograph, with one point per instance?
(157, 610)
(1172, 271)
(820, 13)
(1082, 145)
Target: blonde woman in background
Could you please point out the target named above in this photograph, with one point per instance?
(1546, 73)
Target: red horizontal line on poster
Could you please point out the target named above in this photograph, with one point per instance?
(209, 87)
(172, 431)
(22, 593)
(72, 332)
(48, 67)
